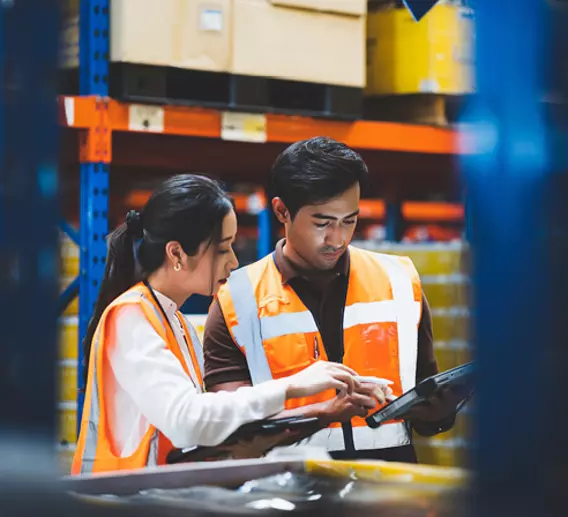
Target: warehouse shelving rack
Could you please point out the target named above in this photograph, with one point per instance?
(97, 118)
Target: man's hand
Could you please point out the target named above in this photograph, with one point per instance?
(257, 446)
(439, 407)
(343, 407)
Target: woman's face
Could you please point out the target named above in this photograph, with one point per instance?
(214, 264)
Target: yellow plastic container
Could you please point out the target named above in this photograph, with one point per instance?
(68, 338)
(447, 292)
(67, 381)
(73, 307)
(433, 56)
(451, 453)
(67, 433)
(69, 252)
(452, 324)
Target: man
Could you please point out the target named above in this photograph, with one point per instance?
(317, 297)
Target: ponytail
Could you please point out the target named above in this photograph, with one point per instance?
(186, 208)
(119, 276)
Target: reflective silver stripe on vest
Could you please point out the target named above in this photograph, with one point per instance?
(407, 311)
(91, 440)
(403, 309)
(247, 332)
(285, 324)
(364, 438)
(153, 450)
(195, 341)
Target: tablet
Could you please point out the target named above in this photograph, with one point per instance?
(248, 431)
(460, 378)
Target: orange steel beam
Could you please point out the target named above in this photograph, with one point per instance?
(81, 112)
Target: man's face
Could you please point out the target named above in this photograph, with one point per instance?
(319, 234)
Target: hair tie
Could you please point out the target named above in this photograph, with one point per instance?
(134, 224)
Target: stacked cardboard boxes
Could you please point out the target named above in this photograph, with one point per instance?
(320, 41)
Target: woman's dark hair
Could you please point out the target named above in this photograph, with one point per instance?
(314, 171)
(187, 208)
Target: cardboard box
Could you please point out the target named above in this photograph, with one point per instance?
(320, 41)
(192, 34)
(297, 43)
(433, 56)
(353, 7)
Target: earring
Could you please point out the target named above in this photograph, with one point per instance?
(177, 267)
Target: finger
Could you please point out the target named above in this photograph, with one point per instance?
(363, 400)
(340, 386)
(346, 379)
(379, 394)
(366, 388)
(361, 411)
(346, 369)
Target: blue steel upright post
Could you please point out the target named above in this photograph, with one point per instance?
(517, 187)
(28, 236)
(93, 80)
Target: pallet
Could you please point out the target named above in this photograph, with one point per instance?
(428, 109)
(165, 85)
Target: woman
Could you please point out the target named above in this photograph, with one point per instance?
(144, 388)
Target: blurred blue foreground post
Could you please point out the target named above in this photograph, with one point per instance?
(28, 249)
(518, 198)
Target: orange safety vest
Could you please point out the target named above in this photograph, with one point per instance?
(94, 448)
(279, 336)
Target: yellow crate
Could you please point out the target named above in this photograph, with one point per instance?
(447, 291)
(67, 416)
(73, 307)
(68, 338)
(429, 259)
(444, 454)
(67, 382)
(451, 324)
(433, 56)
(69, 253)
(449, 355)
(65, 456)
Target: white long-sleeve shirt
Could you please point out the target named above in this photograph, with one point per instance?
(150, 386)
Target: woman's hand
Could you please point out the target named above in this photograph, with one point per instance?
(321, 376)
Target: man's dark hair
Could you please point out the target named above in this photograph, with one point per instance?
(314, 171)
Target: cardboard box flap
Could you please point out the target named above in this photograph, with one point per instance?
(349, 7)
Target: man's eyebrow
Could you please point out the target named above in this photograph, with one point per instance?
(332, 218)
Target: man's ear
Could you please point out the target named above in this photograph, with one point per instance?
(280, 210)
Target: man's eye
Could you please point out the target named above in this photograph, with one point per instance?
(321, 225)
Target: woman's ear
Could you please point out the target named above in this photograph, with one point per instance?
(175, 255)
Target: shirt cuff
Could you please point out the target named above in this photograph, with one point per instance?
(273, 395)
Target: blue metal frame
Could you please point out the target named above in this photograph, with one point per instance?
(28, 232)
(70, 231)
(264, 243)
(94, 26)
(519, 245)
(393, 221)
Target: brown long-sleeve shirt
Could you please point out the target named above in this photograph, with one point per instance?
(324, 295)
